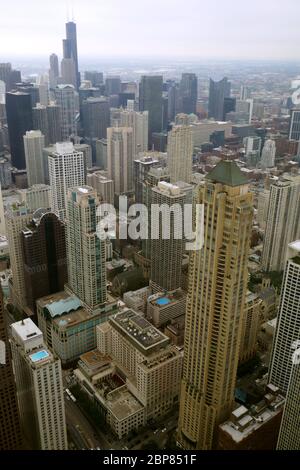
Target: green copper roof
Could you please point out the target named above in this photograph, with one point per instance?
(227, 172)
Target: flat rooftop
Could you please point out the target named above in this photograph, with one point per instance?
(26, 330)
(139, 331)
(122, 403)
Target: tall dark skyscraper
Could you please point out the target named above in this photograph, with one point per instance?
(19, 120)
(70, 47)
(229, 106)
(218, 91)
(188, 93)
(10, 430)
(151, 88)
(45, 259)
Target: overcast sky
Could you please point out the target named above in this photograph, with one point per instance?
(226, 29)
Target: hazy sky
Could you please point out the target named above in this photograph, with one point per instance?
(252, 29)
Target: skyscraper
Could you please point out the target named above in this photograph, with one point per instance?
(167, 249)
(53, 71)
(65, 96)
(268, 154)
(45, 259)
(19, 120)
(120, 158)
(34, 142)
(54, 123)
(150, 99)
(17, 217)
(85, 249)
(139, 123)
(10, 430)
(294, 130)
(68, 72)
(289, 435)
(180, 154)
(66, 170)
(70, 47)
(95, 117)
(141, 167)
(39, 388)
(218, 278)
(282, 224)
(288, 321)
(188, 93)
(218, 91)
(40, 121)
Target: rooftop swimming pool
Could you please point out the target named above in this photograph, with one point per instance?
(39, 356)
(163, 301)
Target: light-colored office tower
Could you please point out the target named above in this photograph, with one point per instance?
(38, 196)
(251, 323)
(139, 122)
(294, 131)
(101, 154)
(262, 207)
(34, 142)
(288, 321)
(17, 218)
(44, 93)
(120, 158)
(167, 247)
(289, 435)
(85, 249)
(2, 218)
(66, 170)
(245, 93)
(103, 185)
(202, 130)
(65, 96)
(282, 226)
(152, 366)
(53, 71)
(218, 278)
(180, 154)
(87, 154)
(141, 167)
(68, 72)
(268, 155)
(39, 388)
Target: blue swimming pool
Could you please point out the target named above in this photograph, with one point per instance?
(163, 301)
(38, 356)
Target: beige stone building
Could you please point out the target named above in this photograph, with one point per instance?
(216, 297)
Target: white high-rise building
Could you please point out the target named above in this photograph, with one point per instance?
(39, 388)
(268, 154)
(66, 170)
(34, 142)
(262, 207)
(289, 435)
(283, 222)
(85, 249)
(139, 122)
(120, 153)
(66, 98)
(17, 218)
(180, 154)
(288, 322)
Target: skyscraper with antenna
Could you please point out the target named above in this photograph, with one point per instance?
(70, 45)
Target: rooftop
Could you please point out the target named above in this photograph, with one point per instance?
(26, 330)
(122, 403)
(137, 329)
(227, 172)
